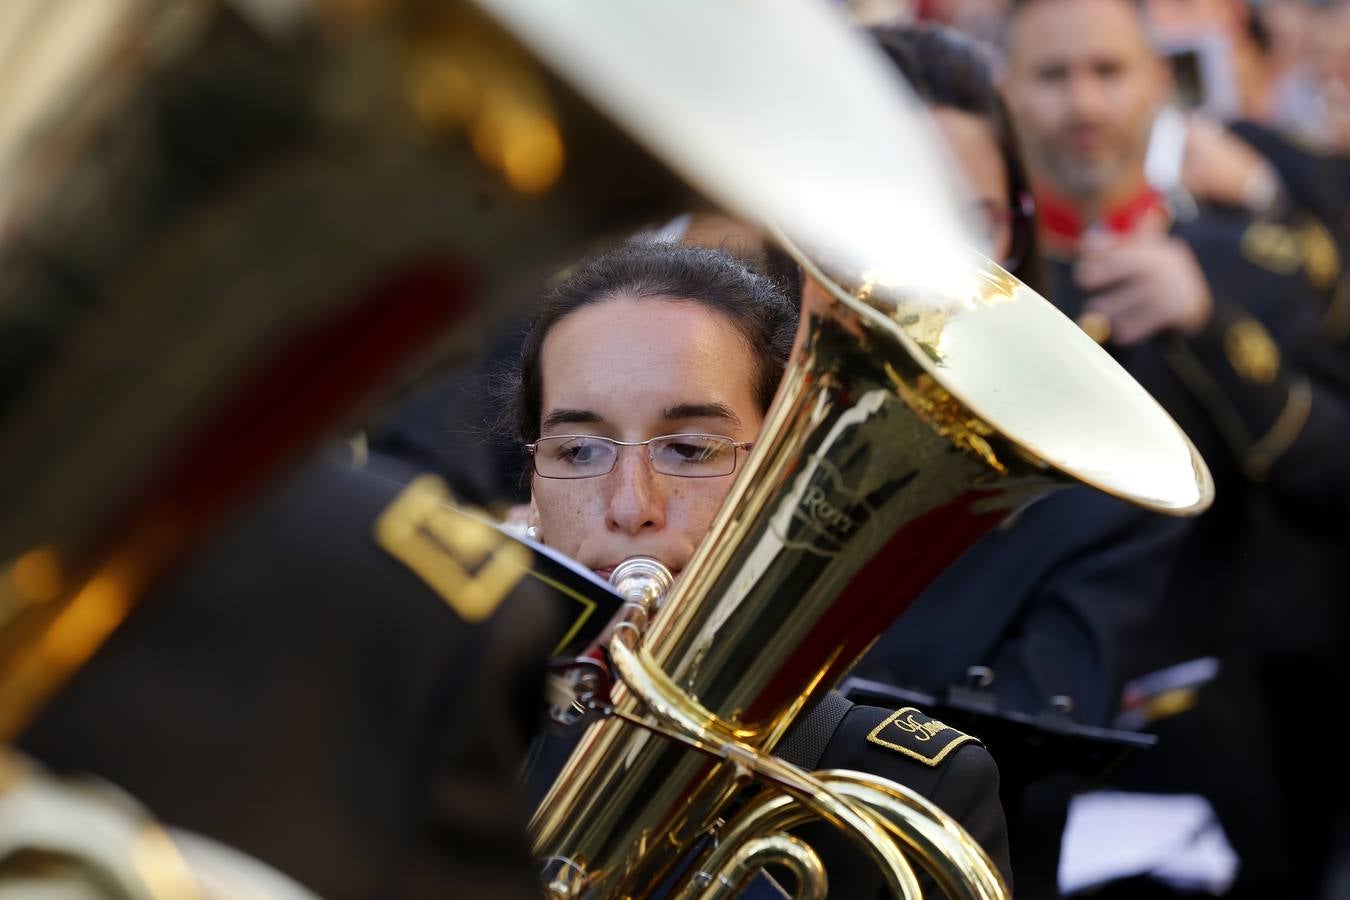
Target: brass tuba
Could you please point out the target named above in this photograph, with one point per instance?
(911, 419)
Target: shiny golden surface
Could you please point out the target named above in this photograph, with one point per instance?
(1020, 366)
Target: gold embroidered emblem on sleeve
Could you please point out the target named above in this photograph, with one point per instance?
(909, 731)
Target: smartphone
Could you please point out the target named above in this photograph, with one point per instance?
(1203, 74)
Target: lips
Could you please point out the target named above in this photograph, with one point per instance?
(1085, 141)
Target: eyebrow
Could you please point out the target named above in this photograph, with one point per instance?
(679, 411)
(701, 411)
(570, 417)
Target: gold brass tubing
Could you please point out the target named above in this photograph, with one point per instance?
(743, 859)
(932, 835)
(663, 698)
(773, 813)
(951, 856)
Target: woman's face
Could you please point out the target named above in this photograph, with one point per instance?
(632, 369)
(976, 149)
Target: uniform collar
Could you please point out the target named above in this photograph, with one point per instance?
(1062, 225)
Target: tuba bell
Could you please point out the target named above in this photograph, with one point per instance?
(912, 418)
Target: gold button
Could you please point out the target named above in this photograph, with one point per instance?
(1096, 326)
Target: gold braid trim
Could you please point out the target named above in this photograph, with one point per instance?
(1281, 436)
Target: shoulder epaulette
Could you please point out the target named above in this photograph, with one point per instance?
(470, 564)
(918, 736)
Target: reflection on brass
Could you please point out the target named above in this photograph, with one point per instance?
(906, 426)
(75, 836)
(72, 631)
(949, 418)
(36, 576)
(463, 76)
(670, 706)
(749, 856)
(89, 839)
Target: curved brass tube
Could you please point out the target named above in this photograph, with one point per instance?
(958, 864)
(946, 852)
(738, 862)
(672, 706)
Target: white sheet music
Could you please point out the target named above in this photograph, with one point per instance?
(1175, 838)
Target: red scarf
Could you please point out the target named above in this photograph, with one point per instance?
(1062, 225)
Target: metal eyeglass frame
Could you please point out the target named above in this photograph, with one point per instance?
(531, 448)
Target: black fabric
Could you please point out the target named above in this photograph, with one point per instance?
(452, 425)
(1051, 602)
(1319, 182)
(299, 694)
(805, 744)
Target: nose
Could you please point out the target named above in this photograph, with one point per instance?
(1087, 97)
(637, 499)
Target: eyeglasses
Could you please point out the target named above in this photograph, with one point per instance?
(682, 455)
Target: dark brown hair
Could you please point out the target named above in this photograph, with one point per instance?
(756, 306)
(947, 68)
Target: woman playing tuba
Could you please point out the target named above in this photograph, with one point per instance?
(642, 384)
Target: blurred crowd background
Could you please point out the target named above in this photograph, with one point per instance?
(1280, 62)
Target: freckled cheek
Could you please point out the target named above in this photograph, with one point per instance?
(694, 504)
(568, 513)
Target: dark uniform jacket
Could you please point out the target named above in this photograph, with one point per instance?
(1312, 180)
(1262, 393)
(304, 695)
(1051, 602)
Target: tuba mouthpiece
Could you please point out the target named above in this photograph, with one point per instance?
(643, 582)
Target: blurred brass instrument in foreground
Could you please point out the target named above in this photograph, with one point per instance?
(908, 424)
(229, 229)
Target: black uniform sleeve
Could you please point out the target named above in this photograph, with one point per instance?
(1280, 414)
(1052, 602)
(1318, 182)
(1074, 635)
(1271, 369)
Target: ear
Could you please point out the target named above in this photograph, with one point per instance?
(532, 518)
